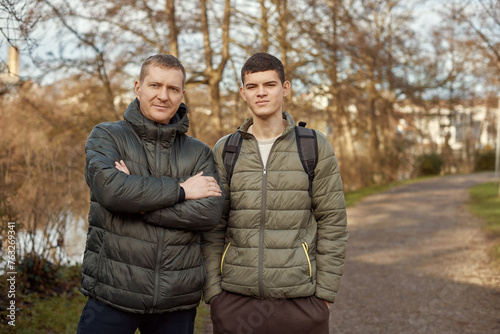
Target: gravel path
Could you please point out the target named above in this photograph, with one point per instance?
(417, 262)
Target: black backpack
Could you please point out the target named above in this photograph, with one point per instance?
(307, 146)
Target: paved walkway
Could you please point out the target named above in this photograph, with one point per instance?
(418, 262)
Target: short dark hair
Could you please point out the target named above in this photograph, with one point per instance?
(164, 61)
(260, 62)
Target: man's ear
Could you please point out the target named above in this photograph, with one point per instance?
(287, 86)
(137, 85)
(242, 93)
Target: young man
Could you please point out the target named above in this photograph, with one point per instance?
(275, 261)
(153, 191)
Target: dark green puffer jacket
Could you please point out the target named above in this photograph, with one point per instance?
(143, 247)
(275, 240)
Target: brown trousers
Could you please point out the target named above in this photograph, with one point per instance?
(238, 314)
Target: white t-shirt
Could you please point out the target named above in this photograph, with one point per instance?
(264, 146)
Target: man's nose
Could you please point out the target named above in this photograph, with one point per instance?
(163, 94)
(261, 91)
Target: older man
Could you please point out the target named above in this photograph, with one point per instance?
(153, 191)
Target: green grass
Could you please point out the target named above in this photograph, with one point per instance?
(352, 197)
(202, 318)
(55, 315)
(485, 203)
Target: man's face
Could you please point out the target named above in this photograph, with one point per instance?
(160, 93)
(264, 93)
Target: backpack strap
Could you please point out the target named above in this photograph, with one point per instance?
(230, 153)
(307, 145)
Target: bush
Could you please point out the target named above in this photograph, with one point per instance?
(38, 275)
(429, 164)
(484, 160)
(43, 292)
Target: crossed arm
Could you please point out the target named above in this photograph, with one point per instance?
(199, 209)
(159, 199)
(195, 187)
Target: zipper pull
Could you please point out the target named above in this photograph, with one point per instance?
(264, 172)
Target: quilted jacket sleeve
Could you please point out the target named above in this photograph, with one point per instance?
(213, 241)
(199, 215)
(330, 213)
(116, 191)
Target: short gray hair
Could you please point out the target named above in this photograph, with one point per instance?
(164, 61)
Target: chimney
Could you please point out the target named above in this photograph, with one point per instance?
(13, 62)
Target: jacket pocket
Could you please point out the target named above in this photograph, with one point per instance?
(223, 256)
(306, 251)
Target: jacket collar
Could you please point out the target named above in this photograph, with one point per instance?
(151, 131)
(290, 125)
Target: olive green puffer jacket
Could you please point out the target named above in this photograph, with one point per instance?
(143, 247)
(275, 240)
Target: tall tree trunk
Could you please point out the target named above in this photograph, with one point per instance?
(173, 29)
(284, 45)
(214, 75)
(264, 27)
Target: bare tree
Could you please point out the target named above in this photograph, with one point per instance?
(264, 27)
(350, 62)
(19, 19)
(173, 29)
(42, 169)
(212, 73)
(481, 23)
(478, 25)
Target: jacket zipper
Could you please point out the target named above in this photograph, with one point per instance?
(158, 152)
(162, 233)
(262, 229)
(223, 256)
(306, 250)
(263, 217)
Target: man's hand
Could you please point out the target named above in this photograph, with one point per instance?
(200, 186)
(195, 187)
(122, 167)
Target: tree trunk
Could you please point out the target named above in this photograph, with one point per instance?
(264, 26)
(214, 75)
(173, 29)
